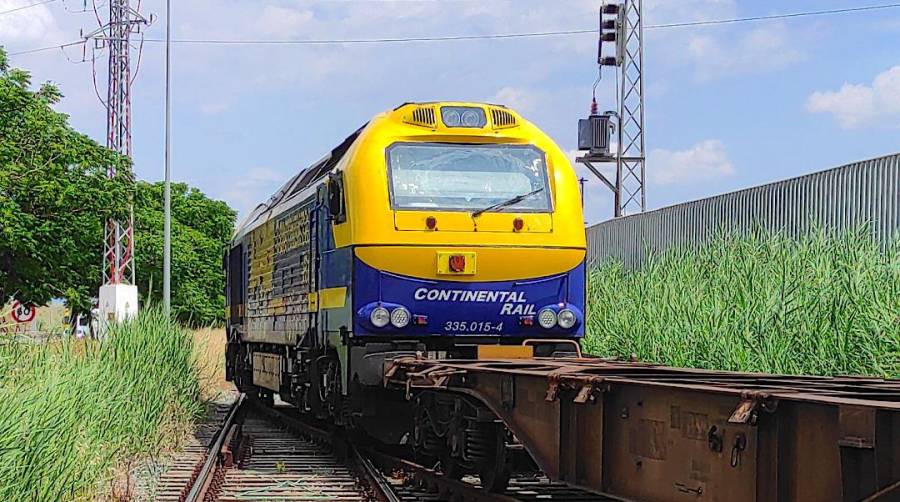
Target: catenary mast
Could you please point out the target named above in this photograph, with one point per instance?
(118, 295)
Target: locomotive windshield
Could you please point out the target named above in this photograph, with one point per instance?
(467, 177)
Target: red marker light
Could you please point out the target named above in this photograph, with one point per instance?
(457, 263)
(431, 222)
(518, 224)
(420, 320)
(527, 321)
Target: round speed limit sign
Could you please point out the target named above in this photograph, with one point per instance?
(22, 312)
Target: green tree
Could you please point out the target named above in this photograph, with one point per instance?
(201, 230)
(54, 197)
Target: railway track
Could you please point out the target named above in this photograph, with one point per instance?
(260, 453)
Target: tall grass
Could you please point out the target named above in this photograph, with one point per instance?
(70, 411)
(822, 305)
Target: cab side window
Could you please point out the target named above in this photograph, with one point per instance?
(336, 206)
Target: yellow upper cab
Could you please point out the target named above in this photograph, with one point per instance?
(398, 214)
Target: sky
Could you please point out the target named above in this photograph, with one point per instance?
(727, 106)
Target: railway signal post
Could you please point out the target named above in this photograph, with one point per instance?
(621, 27)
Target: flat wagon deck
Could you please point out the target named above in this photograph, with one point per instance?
(645, 432)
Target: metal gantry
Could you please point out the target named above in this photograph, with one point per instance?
(628, 187)
(118, 254)
(630, 169)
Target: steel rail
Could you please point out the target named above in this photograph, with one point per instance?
(373, 467)
(383, 490)
(380, 486)
(452, 489)
(372, 463)
(375, 480)
(205, 476)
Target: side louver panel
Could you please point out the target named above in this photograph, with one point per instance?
(421, 116)
(502, 119)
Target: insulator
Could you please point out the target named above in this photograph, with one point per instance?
(609, 61)
(608, 37)
(609, 24)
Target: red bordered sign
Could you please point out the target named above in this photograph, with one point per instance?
(22, 312)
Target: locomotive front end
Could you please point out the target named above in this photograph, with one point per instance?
(468, 231)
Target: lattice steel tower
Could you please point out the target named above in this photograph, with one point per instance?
(118, 254)
(621, 26)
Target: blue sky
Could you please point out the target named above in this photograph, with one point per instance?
(728, 106)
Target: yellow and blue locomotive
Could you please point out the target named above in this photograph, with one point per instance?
(448, 229)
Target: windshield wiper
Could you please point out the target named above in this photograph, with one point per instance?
(509, 202)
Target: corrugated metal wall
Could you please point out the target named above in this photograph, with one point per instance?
(866, 192)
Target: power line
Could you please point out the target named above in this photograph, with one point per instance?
(446, 38)
(776, 16)
(450, 38)
(17, 9)
(48, 48)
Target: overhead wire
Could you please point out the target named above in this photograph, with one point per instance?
(449, 38)
(140, 49)
(17, 9)
(48, 48)
(825, 12)
(74, 61)
(94, 77)
(72, 11)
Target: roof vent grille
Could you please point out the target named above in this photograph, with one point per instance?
(421, 116)
(503, 119)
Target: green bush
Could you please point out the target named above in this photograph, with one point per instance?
(70, 411)
(822, 305)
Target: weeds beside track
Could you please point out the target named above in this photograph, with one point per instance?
(823, 305)
(72, 411)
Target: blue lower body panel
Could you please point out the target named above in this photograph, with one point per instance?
(453, 308)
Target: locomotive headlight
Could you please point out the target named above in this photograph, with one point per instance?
(400, 317)
(463, 116)
(547, 318)
(380, 317)
(566, 319)
(471, 119)
(451, 117)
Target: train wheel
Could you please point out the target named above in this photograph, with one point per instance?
(451, 467)
(495, 475)
(427, 445)
(330, 391)
(487, 444)
(266, 397)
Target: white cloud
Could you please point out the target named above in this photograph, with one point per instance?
(705, 161)
(214, 108)
(517, 98)
(855, 105)
(762, 49)
(281, 22)
(27, 25)
(243, 193)
(669, 11)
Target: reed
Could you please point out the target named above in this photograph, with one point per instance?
(824, 304)
(71, 411)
